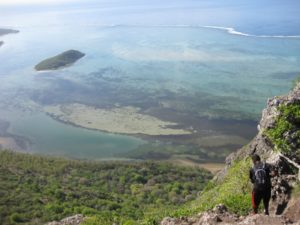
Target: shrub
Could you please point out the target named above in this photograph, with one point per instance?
(288, 121)
(50, 189)
(17, 218)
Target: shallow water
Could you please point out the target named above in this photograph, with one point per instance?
(51, 137)
(157, 57)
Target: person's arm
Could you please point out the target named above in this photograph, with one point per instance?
(251, 176)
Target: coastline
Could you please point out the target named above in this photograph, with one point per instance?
(4, 31)
(11, 141)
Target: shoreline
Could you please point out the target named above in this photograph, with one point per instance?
(4, 31)
(12, 141)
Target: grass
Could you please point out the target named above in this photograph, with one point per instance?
(234, 192)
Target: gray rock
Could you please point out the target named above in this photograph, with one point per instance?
(72, 220)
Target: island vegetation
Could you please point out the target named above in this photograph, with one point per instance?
(62, 60)
(36, 189)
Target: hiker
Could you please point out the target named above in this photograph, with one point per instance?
(260, 176)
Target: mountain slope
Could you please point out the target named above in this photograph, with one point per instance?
(37, 189)
(278, 143)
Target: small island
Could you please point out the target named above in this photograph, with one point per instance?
(62, 60)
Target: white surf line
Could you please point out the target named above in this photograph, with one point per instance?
(229, 30)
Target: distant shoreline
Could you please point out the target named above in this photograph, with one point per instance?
(12, 141)
(4, 31)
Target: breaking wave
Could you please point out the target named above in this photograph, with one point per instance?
(229, 30)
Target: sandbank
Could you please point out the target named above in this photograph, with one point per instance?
(122, 120)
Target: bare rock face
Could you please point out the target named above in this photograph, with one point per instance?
(72, 220)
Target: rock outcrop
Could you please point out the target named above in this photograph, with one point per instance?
(222, 217)
(72, 220)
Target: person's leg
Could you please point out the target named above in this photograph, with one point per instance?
(256, 198)
(266, 200)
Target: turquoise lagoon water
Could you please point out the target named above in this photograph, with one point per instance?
(157, 57)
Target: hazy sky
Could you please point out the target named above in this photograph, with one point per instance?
(28, 2)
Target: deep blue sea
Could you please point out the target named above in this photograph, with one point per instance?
(215, 62)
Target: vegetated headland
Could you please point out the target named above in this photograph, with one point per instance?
(59, 61)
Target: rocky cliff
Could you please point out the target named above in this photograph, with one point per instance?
(278, 143)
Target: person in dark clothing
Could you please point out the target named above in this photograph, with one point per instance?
(260, 176)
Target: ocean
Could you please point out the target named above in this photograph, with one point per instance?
(208, 66)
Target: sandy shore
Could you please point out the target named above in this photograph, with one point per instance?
(212, 167)
(9, 143)
(221, 140)
(122, 120)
